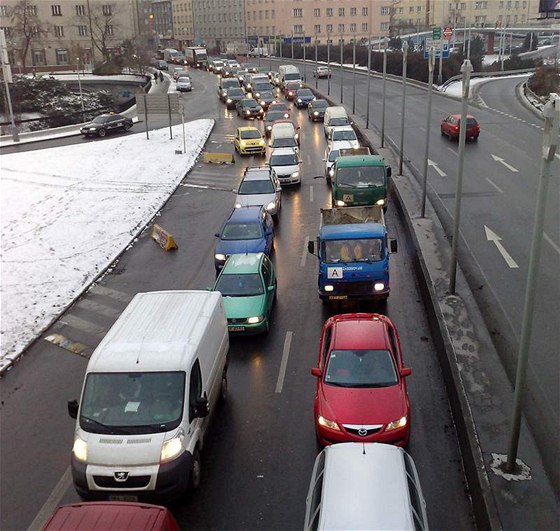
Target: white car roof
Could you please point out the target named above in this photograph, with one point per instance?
(283, 151)
(342, 128)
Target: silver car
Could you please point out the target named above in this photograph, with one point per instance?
(260, 186)
(184, 84)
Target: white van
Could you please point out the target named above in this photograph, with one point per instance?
(335, 116)
(365, 486)
(284, 134)
(148, 391)
(288, 73)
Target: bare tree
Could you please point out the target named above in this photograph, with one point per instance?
(27, 28)
(102, 21)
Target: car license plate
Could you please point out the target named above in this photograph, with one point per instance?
(124, 498)
(237, 329)
(338, 297)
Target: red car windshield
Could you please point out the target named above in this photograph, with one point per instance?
(361, 368)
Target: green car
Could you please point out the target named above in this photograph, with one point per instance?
(247, 283)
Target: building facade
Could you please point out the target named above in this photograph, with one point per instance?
(183, 22)
(66, 32)
(219, 23)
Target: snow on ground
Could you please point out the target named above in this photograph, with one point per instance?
(454, 89)
(68, 212)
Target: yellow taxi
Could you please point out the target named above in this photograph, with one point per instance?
(249, 141)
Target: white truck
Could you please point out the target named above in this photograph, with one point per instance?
(171, 55)
(196, 56)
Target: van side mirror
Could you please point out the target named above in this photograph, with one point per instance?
(393, 246)
(311, 247)
(315, 371)
(217, 234)
(389, 171)
(201, 408)
(406, 371)
(73, 407)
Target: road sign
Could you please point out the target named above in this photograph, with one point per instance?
(447, 32)
(436, 33)
(438, 45)
(297, 40)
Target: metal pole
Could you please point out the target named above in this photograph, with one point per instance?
(354, 75)
(329, 64)
(7, 74)
(428, 122)
(304, 61)
(259, 49)
(466, 70)
(368, 81)
(384, 91)
(401, 149)
(440, 73)
(183, 126)
(292, 45)
(80, 87)
(551, 113)
(169, 114)
(341, 70)
(316, 78)
(269, 55)
(146, 115)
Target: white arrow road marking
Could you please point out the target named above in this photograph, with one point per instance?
(284, 362)
(502, 161)
(493, 237)
(435, 166)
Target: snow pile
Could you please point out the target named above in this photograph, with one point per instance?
(68, 212)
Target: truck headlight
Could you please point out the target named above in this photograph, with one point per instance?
(220, 257)
(254, 320)
(381, 202)
(331, 424)
(295, 174)
(80, 450)
(340, 203)
(329, 287)
(172, 448)
(400, 423)
(379, 286)
(271, 206)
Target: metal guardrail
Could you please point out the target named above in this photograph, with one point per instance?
(501, 73)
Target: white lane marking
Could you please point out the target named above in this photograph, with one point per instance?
(502, 161)
(557, 155)
(311, 194)
(453, 151)
(112, 293)
(495, 185)
(53, 501)
(422, 129)
(83, 324)
(284, 362)
(549, 240)
(304, 253)
(308, 158)
(102, 309)
(493, 237)
(437, 168)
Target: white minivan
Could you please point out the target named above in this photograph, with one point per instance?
(288, 73)
(149, 389)
(335, 116)
(365, 486)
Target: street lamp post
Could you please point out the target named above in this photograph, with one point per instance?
(428, 123)
(329, 64)
(304, 61)
(354, 75)
(368, 81)
(405, 53)
(384, 91)
(316, 77)
(80, 87)
(341, 69)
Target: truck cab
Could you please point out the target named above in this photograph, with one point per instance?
(360, 180)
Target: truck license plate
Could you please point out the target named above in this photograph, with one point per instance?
(237, 329)
(338, 297)
(124, 498)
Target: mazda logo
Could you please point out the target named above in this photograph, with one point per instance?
(121, 476)
(362, 432)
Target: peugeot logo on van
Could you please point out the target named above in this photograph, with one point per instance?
(362, 432)
(121, 476)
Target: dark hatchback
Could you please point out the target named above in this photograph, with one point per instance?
(233, 96)
(249, 108)
(106, 123)
(316, 110)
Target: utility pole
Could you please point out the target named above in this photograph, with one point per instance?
(404, 59)
(354, 75)
(341, 69)
(316, 77)
(7, 74)
(431, 57)
(384, 92)
(329, 64)
(368, 80)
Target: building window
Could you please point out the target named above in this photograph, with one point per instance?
(317, 12)
(298, 12)
(7, 31)
(59, 31)
(364, 26)
(401, 10)
(341, 28)
(82, 31)
(34, 31)
(80, 10)
(38, 58)
(364, 11)
(463, 6)
(32, 10)
(4, 11)
(317, 28)
(329, 28)
(107, 10)
(329, 11)
(418, 9)
(298, 28)
(384, 26)
(340, 11)
(110, 30)
(56, 10)
(411, 9)
(61, 57)
(353, 28)
(385, 10)
(353, 11)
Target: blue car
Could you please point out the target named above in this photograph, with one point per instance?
(303, 98)
(247, 230)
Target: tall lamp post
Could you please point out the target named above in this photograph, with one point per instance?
(405, 53)
(316, 78)
(354, 75)
(341, 69)
(80, 86)
(329, 63)
(368, 80)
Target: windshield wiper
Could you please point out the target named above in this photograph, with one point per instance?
(337, 384)
(372, 385)
(111, 429)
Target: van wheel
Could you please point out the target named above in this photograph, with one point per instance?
(224, 388)
(195, 471)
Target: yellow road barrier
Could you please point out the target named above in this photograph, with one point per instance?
(163, 238)
(218, 158)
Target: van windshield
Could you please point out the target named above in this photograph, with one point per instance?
(132, 402)
(289, 77)
(289, 141)
(338, 121)
(361, 176)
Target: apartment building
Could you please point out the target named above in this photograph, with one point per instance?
(63, 32)
(346, 19)
(218, 23)
(183, 22)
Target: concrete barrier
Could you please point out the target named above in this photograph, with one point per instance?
(163, 238)
(218, 158)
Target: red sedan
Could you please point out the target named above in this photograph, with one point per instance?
(291, 88)
(361, 391)
(452, 125)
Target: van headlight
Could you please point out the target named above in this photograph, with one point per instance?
(220, 257)
(80, 450)
(331, 172)
(271, 206)
(172, 448)
(400, 423)
(340, 203)
(381, 202)
(238, 205)
(329, 287)
(331, 424)
(295, 174)
(254, 320)
(379, 286)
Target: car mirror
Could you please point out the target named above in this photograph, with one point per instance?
(270, 288)
(406, 371)
(200, 408)
(217, 234)
(311, 247)
(73, 407)
(393, 246)
(389, 171)
(315, 371)
(324, 160)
